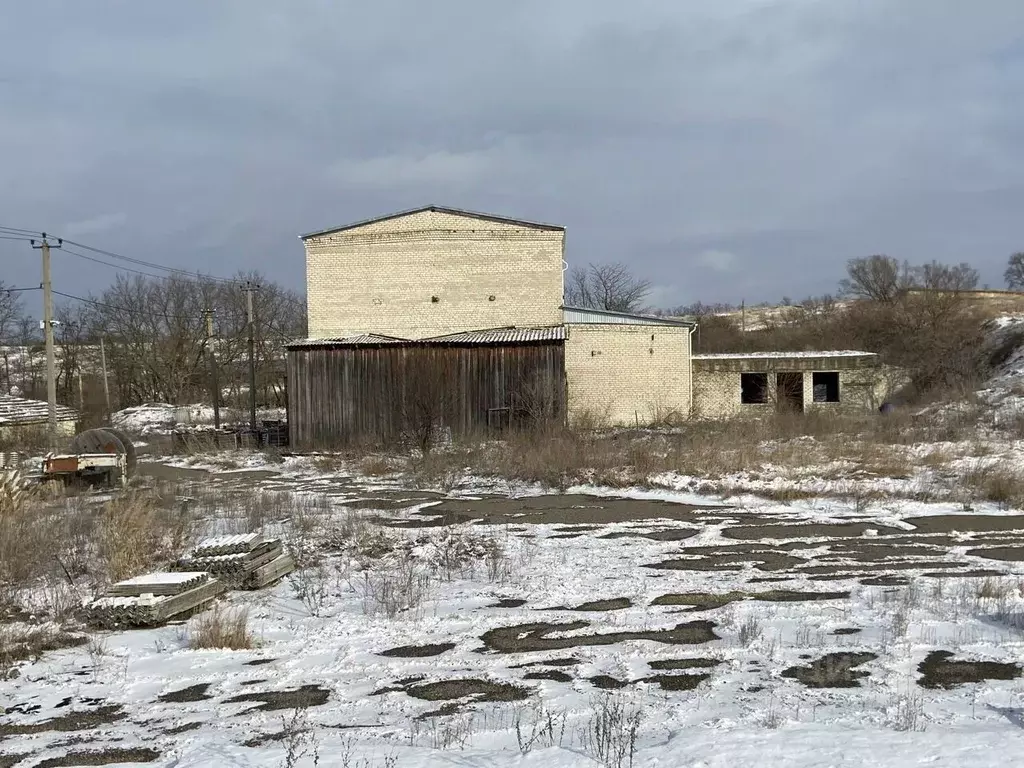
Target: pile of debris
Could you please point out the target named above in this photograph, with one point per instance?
(245, 561)
(153, 599)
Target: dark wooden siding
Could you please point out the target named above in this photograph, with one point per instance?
(340, 395)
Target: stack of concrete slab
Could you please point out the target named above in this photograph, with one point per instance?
(244, 561)
(153, 599)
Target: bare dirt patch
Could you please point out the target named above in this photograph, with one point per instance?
(833, 670)
(72, 721)
(569, 662)
(526, 638)
(183, 728)
(259, 662)
(104, 757)
(701, 601)
(299, 698)
(569, 510)
(549, 674)
(1005, 554)
(939, 670)
(607, 682)
(9, 761)
(508, 602)
(676, 682)
(763, 560)
(967, 523)
(805, 531)
(662, 534)
(478, 690)
(677, 664)
(885, 581)
(182, 695)
(612, 604)
(417, 651)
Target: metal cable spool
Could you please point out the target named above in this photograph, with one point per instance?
(129, 449)
(97, 441)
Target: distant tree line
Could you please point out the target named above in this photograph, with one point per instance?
(154, 335)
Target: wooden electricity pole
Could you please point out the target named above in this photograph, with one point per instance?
(212, 360)
(250, 289)
(106, 385)
(51, 366)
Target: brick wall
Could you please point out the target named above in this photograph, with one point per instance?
(381, 277)
(716, 394)
(617, 374)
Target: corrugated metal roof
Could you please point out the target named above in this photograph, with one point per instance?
(509, 335)
(362, 339)
(502, 336)
(439, 209)
(585, 315)
(21, 410)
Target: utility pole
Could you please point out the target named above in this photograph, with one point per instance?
(250, 289)
(51, 366)
(106, 386)
(212, 360)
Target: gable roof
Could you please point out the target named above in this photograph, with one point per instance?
(436, 209)
(21, 410)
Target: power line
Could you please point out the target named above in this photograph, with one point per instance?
(150, 264)
(137, 312)
(115, 266)
(15, 230)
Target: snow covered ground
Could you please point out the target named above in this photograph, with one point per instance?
(162, 418)
(734, 685)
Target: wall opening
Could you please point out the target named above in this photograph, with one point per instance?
(753, 388)
(790, 391)
(826, 386)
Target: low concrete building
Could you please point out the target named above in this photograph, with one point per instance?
(749, 384)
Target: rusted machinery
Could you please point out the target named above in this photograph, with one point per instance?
(96, 457)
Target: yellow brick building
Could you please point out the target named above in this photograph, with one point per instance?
(471, 304)
(433, 271)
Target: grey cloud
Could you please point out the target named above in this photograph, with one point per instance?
(793, 134)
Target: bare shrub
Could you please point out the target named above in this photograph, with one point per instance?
(906, 711)
(390, 590)
(329, 463)
(221, 628)
(300, 740)
(611, 733)
(538, 726)
(23, 642)
(375, 466)
(311, 585)
(750, 630)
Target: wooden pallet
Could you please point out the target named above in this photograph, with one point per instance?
(271, 572)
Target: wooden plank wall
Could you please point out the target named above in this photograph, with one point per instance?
(379, 394)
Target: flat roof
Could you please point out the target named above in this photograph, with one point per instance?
(584, 315)
(783, 355)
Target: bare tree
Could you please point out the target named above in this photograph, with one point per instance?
(606, 286)
(878, 278)
(10, 311)
(1014, 274)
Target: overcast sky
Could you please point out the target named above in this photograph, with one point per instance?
(726, 149)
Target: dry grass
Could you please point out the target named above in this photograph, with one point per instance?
(21, 642)
(136, 532)
(221, 628)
